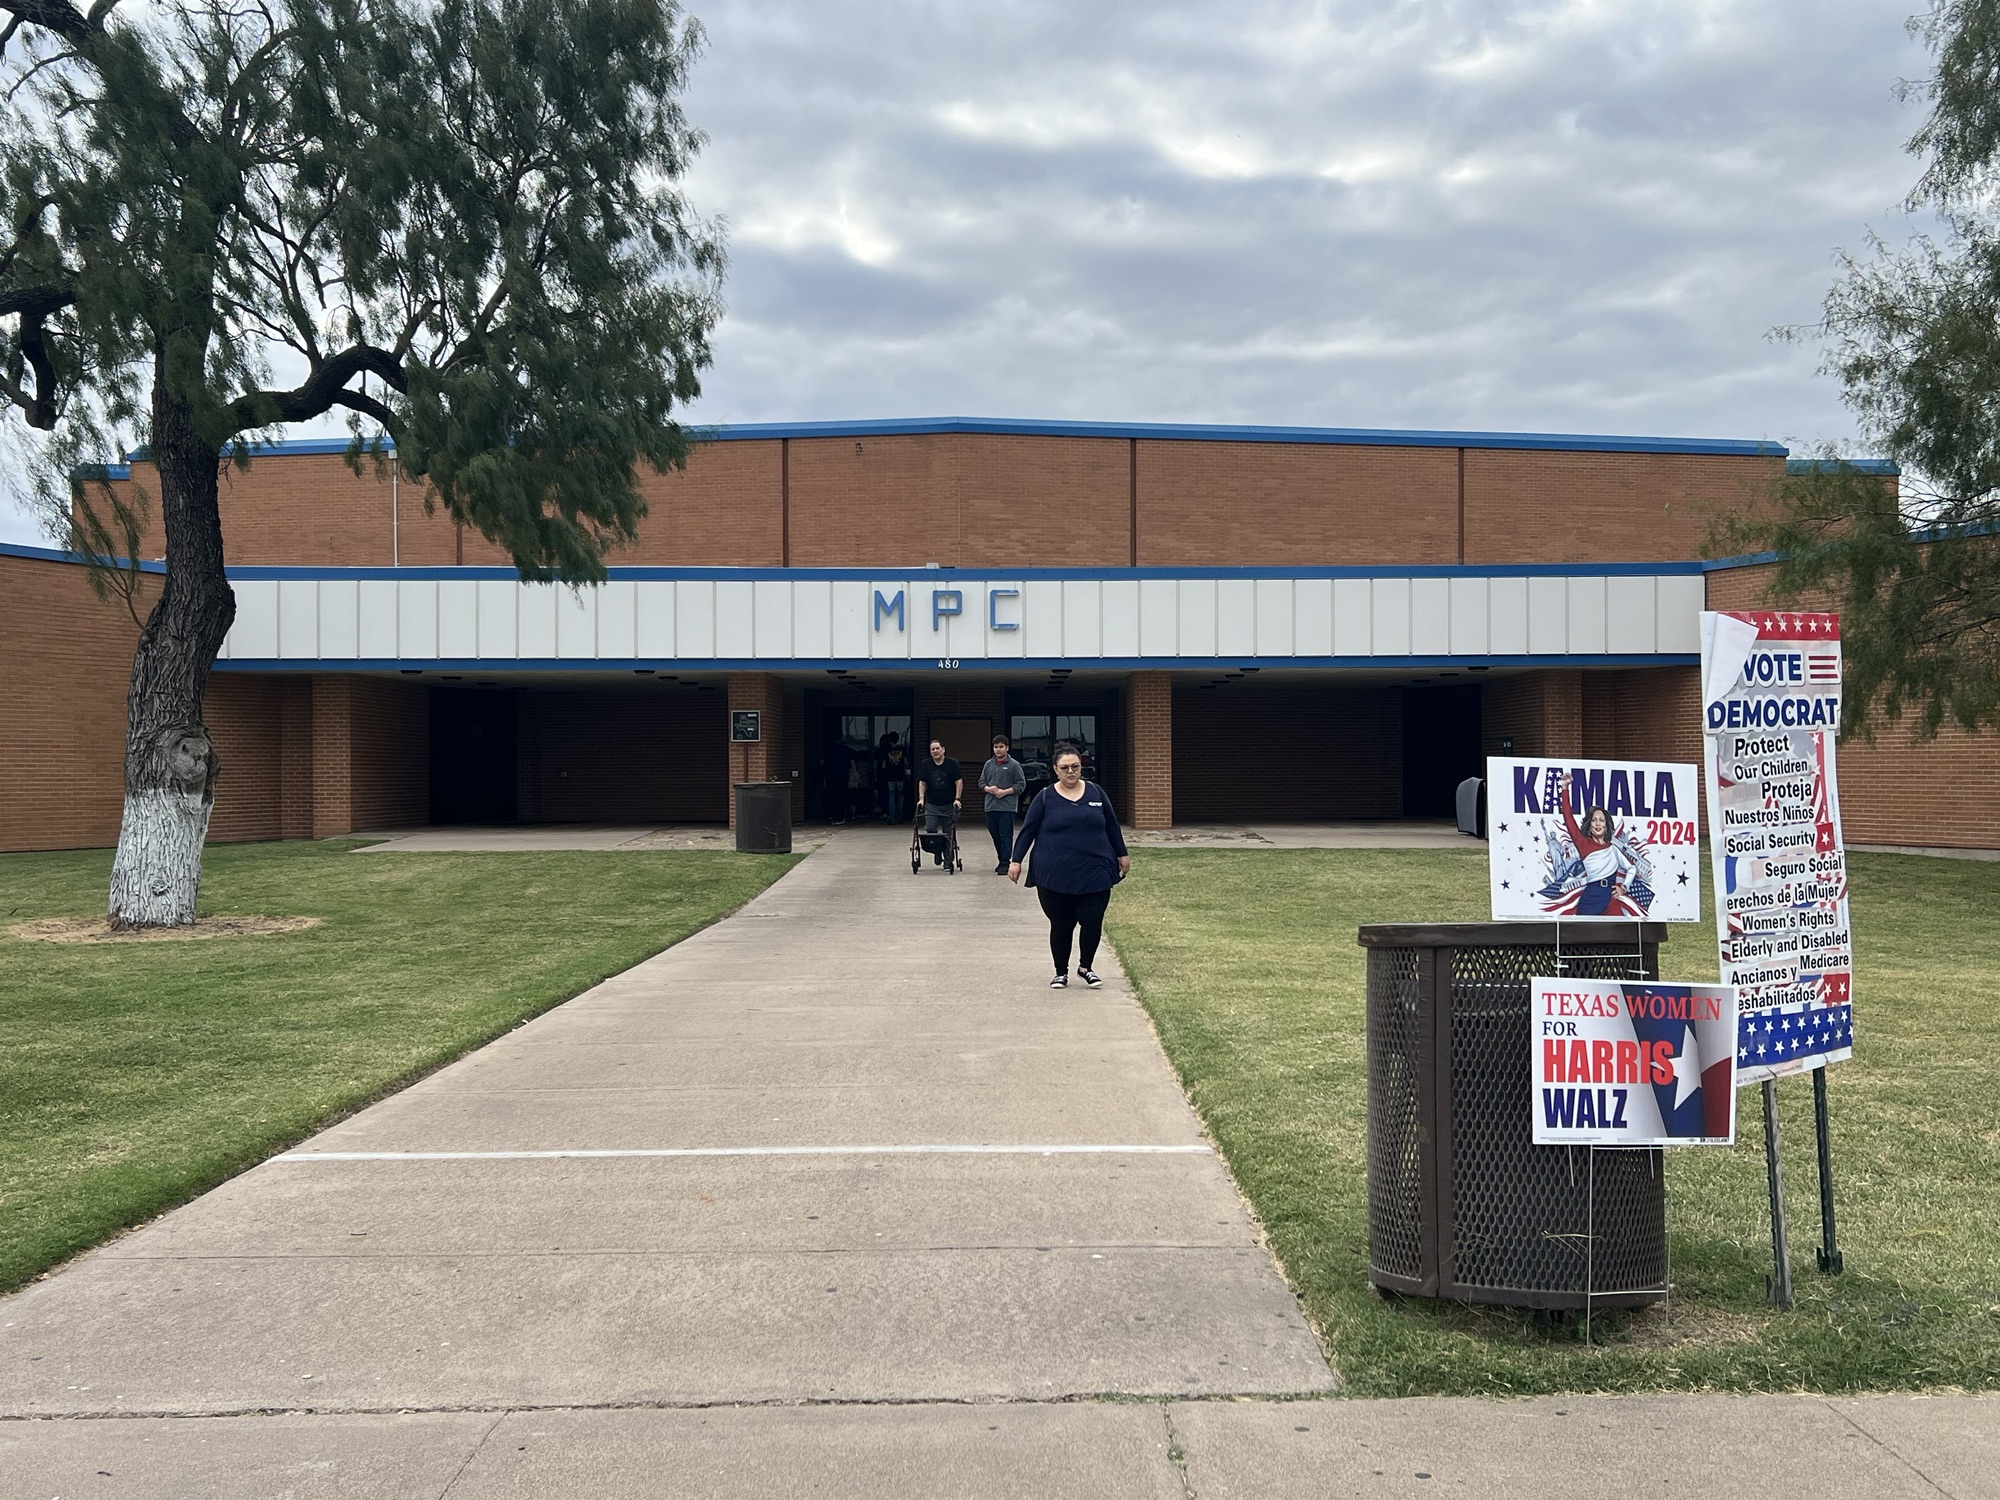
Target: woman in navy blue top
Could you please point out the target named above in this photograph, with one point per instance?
(1079, 855)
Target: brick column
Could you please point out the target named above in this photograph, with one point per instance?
(295, 757)
(763, 761)
(1149, 736)
(332, 757)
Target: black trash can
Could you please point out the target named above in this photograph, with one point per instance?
(1461, 1202)
(763, 817)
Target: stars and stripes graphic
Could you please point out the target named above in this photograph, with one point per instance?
(1793, 625)
(1795, 1034)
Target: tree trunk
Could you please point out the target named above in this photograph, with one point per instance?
(170, 762)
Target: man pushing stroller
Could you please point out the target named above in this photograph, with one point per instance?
(940, 788)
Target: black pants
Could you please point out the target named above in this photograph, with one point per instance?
(1066, 913)
(1001, 826)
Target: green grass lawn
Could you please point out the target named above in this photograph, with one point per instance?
(1248, 964)
(137, 1075)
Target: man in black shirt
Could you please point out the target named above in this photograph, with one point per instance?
(940, 783)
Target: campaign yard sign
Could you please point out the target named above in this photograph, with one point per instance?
(1634, 1063)
(1771, 710)
(1592, 840)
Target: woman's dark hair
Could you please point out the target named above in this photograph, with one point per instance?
(1064, 747)
(1589, 818)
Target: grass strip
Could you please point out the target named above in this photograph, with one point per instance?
(134, 1076)
(1248, 964)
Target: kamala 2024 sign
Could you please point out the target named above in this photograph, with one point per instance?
(1770, 712)
(1592, 840)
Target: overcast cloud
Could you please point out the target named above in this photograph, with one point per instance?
(1581, 216)
(1578, 216)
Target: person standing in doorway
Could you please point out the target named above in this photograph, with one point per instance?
(1004, 783)
(895, 776)
(1079, 854)
(940, 785)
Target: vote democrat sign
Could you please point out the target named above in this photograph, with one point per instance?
(1634, 1063)
(1771, 708)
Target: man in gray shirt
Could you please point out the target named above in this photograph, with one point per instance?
(1004, 783)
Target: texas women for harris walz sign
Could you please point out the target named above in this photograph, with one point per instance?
(1633, 1063)
(1771, 709)
(1592, 840)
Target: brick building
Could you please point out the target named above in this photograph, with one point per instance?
(1236, 623)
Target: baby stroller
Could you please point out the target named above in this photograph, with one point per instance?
(943, 845)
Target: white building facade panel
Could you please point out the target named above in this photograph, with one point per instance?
(298, 618)
(967, 618)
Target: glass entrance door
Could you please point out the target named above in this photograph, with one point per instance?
(865, 770)
(1035, 737)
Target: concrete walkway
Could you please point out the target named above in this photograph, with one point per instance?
(833, 1198)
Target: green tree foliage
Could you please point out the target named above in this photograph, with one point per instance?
(457, 221)
(1913, 335)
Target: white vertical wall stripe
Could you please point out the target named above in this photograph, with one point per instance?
(1586, 616)
(1274, 617)
(1631, 619)
(417, 618)
(1548, 616)
(1430, 617)
(655, 606)
(1507, 616)
(499, 611)
(1390, 616)
(1353, 617)
(1469, 616)
(458, 619)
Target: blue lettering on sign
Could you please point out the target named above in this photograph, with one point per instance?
(1774, 713)
(1586, 788)
(1665, 804)
(887, 607)
(945, 602)
(993, 598)
(1525, 780)
(1769, 668)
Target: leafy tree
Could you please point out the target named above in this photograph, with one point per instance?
(1913, 335)
(456, 221)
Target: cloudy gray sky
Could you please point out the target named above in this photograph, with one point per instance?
(1582, 215)
(1570, 216)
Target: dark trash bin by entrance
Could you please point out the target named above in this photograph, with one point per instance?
(763, 817)
(1461, 1202)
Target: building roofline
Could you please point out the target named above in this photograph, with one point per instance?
(1173, 432)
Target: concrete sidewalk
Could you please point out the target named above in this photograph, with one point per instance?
(867, 1210)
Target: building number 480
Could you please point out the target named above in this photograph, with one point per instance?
(947, 663)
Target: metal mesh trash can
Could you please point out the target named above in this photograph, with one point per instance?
(763, 817)
(1461, 1202)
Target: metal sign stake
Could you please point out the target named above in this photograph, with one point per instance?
(1829, 1248)
(1779, 1287)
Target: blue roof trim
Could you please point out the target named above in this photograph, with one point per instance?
(945, 577)
(52, 554)
(488, 667)
(1179, 432)
(1835, 465)
(1215, 432)
(1741, 560)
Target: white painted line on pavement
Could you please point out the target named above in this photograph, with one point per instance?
(937, 1150)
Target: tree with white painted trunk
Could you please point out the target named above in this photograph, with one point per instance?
(456, 222)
